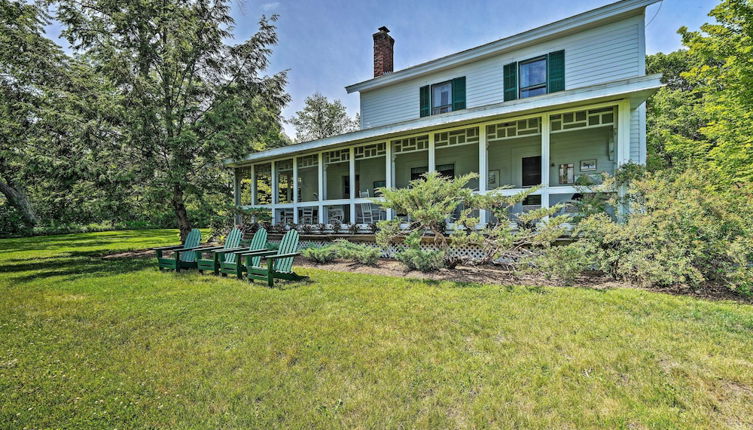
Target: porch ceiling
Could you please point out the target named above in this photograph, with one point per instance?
(637, 90)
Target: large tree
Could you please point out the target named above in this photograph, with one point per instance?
(722, 76)
(189, 99)
(322, 118)
(675, 115)
(30, 67)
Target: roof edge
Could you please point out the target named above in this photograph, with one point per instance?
(509, 43)
(612, 90)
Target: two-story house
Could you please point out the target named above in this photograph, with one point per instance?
(546, 106)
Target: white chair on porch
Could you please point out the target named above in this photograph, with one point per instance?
(335, 214)
(307, 216)
(367, 213)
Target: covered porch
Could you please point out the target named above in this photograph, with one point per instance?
(558, 149)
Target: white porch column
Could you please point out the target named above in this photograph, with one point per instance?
(545, 162)
(432, 154)
(483, 171)
(237, 193)
(320, 191)
(274, 191)
(388, 168)
(623, 132)
(236, 187)
(295, 190)
(253, 185)
(623, 146)
(352, 177)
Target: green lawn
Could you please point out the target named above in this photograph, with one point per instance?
(91, 343)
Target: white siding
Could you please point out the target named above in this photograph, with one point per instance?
(594, 56)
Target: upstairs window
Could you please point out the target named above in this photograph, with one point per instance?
(533, 77)
(536, 76)
(441, 98)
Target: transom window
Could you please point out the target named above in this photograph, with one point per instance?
(441, 98)
(533, 77)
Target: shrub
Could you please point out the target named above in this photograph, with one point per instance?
(322, 255)
(416, 258)
(363, 254)
(562, 263)
(433, 199)
(424, 261)
(681, 228)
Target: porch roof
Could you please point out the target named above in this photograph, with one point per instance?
(637, 90)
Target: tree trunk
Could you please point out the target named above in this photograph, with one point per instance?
(17, 198)
(180, 212)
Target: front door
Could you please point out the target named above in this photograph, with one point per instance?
(531, 171)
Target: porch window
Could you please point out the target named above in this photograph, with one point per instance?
(308, 178)
(337, 174)
(284, 180)
(533, 77)
(244, 186)
(457, 153)
(411, 157)
(371, 171)
(263, 184)
(441, 98)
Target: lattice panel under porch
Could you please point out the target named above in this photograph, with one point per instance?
(337, 156)
(582, 119)
(456, 137)
(464, 251)
(411, 144)
(308, 161)
(370, 151)
(263, 169)
(513, 129)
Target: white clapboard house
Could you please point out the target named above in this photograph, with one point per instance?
(546, 106)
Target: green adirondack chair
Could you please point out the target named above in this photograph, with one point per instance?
(232, 242)
(230, 262)
(279, 262)
(184, 256)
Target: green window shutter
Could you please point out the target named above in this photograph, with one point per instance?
(424, 101)
(458, 93)
(511, 81)
(556, 72)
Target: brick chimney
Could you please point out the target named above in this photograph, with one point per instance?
(383, 48)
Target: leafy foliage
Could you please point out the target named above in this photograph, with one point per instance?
(682, 228)
(416, 258)
(188, 99)
(429, 202)
(344, 249)
(322, 118)
(322, 255)
(360, 253)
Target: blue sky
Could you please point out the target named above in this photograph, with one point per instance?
(326, 44)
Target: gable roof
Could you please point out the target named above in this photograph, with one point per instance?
(582, 21)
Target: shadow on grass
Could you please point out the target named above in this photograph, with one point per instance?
(74, 268)
(45, 243)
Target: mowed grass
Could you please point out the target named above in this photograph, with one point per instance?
(92, 343)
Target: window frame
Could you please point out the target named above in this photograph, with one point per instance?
(544, 85)
(431, 98)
